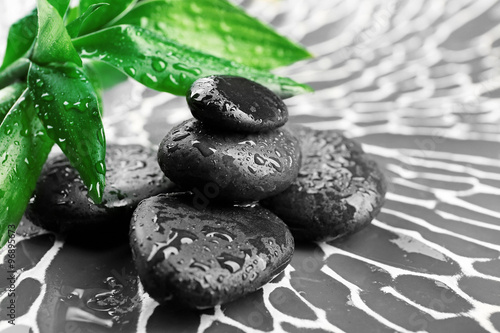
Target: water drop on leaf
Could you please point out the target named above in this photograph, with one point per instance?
(159, 65)
(130, 71)
(100, 167)
(47, 97)
(100, 137)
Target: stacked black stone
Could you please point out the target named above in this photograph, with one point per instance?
(214, 242)
(199, 247)
(235, 150)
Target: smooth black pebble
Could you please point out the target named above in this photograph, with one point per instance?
(60, 203)
(339, 189)
(229, 166)
(202, 258)
(235, 103)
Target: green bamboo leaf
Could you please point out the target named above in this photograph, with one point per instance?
(8, 96)
(23, 32)
(24, 147)
(72, 14)
(76, 25)
(53, 43)
(218, 28)
(105, 15)
(167, 66)
(108, 75)
(20, 39)
(60, 5)
(69, 109)
(96, 80)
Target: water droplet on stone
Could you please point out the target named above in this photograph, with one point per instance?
(259, 159)
(203, 148)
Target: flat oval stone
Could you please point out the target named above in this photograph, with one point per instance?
(60, 203)
(229, 166)
(207, 257)
(235, 103)
(339, 190)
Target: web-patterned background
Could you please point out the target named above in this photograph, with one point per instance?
(418, 83)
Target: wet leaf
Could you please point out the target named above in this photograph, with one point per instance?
(96, 80)
(68, 107)
(72, 14)
(8, 96)
(75, 26)
(60, 5)
(53, 43)
(167, 66)
(20, 39)
(219, 28)
(24, 147)
(104, 15)
(108, 75)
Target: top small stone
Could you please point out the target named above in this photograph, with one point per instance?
(235, 103)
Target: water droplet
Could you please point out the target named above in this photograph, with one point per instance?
(67, 105)
(73, 73)
(221, 235)
(39, 83)
(259, 159)
(159, 65)
(8, 129)
(130, 71)
(25, 132)
(230, 262)
(101, 137)
(172, 148)
(150, 79)
(252, 170)
(276, 164)
(47, 97)
(100, 167)
(172, 80)
(202, 266)
(180, 136)
(203, 148)
(182, 67)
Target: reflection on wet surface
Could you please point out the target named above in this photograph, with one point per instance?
(417, 83)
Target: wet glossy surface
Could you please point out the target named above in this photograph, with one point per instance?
(229, 166)
(61, 204)
(236, 104)
(417, 83)
(338, 191)
(205, 256)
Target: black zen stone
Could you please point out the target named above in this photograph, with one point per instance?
(235, 103)
(339, 190)
(61, 204)
(203, 258)
(229, 166)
